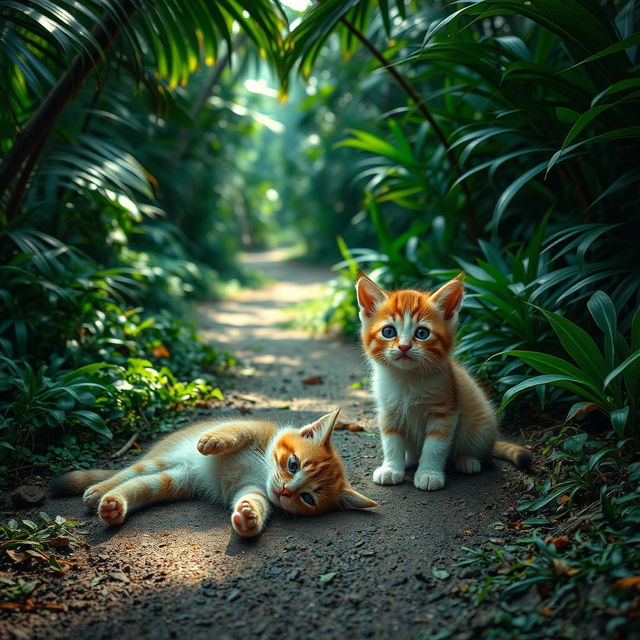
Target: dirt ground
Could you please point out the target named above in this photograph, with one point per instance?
(179, 571)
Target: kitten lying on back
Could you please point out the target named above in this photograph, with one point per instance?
(429, 408)
(250, 464)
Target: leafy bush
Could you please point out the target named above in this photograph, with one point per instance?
(34, 404)
(607, 379)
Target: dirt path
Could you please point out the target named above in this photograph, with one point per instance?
(178, 571)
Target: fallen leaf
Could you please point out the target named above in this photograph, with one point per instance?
(16, 556)
(312, 380)
(468, 532)
(29, 605)
(348, 426)
(244, 410)
(119, 576)
(327, 577)
(441, 574)
(559, 543)
(628, 583)
(548, 612)
(160, 352)
(563, 569)
(563, 499)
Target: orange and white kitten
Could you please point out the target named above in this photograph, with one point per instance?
(429, 408)
(250, 464)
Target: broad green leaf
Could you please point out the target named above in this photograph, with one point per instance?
(619, 420)
(604, 314)
(580, 346)
(620, 368)
(553, 380)
(548, 364)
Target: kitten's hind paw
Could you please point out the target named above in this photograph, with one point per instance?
(245, 519)
(112, 509)
(387, 475)
(213, 443)
(467, 464)
(429, 480)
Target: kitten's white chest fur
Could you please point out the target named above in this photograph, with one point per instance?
(218, 478)
(408, 395)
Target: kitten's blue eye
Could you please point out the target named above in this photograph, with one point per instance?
(308, 498)
(292, 464)
(389, 332)
(422, 333)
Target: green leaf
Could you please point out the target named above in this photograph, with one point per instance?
(580, 346)
(565, 382)
(510, 192)
(620, 368)
(327, 577)
(627, 43)
(440, 574)
(604, 314)
(547, 364)
(619, 420)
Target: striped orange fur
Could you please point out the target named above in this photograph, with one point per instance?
(250, 464)
(429, 407)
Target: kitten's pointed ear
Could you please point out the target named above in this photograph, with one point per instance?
(370, 295)
(351, 499)
(448, 298)
(321, 429)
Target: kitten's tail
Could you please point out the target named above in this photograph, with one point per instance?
(514, 453)
(75, 482)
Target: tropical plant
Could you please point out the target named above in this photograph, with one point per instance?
(607, 379)
(35, 403)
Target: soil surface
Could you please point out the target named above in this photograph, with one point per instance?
(179, 571)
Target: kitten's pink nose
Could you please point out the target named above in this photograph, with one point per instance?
(285, 492)
(404, 347)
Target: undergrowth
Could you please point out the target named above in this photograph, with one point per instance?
(570, 554)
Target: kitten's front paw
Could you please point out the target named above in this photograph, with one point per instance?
(429, 480)
(92, 496)
(467, 464)
(245, 519)
(212, 443)
(387, 475)
(112, 509)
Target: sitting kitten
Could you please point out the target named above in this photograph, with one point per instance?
(249, 464)
(429, 408)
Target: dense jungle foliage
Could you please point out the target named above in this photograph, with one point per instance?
(144, 144)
